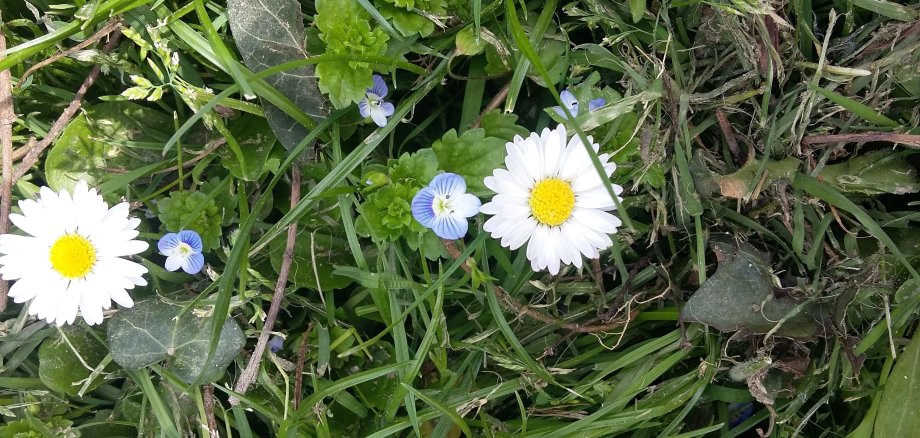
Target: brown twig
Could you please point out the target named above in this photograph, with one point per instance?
(301, 356)
(207, 151)
(107, 29)
(494, 103)
(511, 304)
(34, 148)
(209, 411)
(7, 118)
(249, 374)
(729, 134)
(912, 140)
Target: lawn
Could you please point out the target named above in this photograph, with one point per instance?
(448, 218)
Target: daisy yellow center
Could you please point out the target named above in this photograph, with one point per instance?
(552, 201)
(73, 256)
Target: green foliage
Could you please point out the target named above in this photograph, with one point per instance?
(158, 331)
(258, 154)
(346, 30)
(97, 143)
(192, 211)
(71, 362)
(471, 155)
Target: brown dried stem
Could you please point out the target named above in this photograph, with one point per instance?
(249, 374)
(209, 411)
(107, 29)
(7, 118)
(512, 305)
(301, 356)
(34, 148)
(494, 103)
(911, 140)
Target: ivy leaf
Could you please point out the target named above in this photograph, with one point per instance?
(92, 145)
(270, 33)
(740, 296)
(500, 124)
(153, 331)
(257, 144)
(471, 155)
(59, 367)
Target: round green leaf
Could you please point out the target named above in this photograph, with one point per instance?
(63, 361)
(154, 331)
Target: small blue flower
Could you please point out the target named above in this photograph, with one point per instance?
(570, 102)
(182, 250)
(275, 344)
(373, 105)
(444, 205)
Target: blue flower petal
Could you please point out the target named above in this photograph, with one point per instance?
(193, 264)
(192, 239)
(423, 207)
(387, 108)
(168, 243)
(379, 88)
(570, 101)
(448, 184)
(450, 227)
(364, 108)
(595, 104)
(275, 344)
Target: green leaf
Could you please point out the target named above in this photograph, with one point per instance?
(63, 361)
(93, 144)
(155, 330)
(257, 144)
(467, 44)
(740, 296)
(192, 211)
(315, 255)
(346, 30)
(899, 409)
(269, 33)
(471, 155)
(873, 174)
(500, 124)
(415, 169)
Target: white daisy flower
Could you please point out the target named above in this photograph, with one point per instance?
(72, 257)
(552, 198)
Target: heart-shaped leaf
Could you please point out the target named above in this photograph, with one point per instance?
(740, 296)
(269, 33)
(154, 331)
(67, 360)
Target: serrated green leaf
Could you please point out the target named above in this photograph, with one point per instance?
(471, 155)
(270, 33)
(61, 369)
(500, 124)
(415, 169)
(153, 331)
(192, 211)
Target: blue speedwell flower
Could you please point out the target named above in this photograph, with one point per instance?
(276, 343)
(570, 102)
(444, 206)
(182, 250)
(373, 105)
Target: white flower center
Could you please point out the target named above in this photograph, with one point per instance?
(184, 249)
(442, 205)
